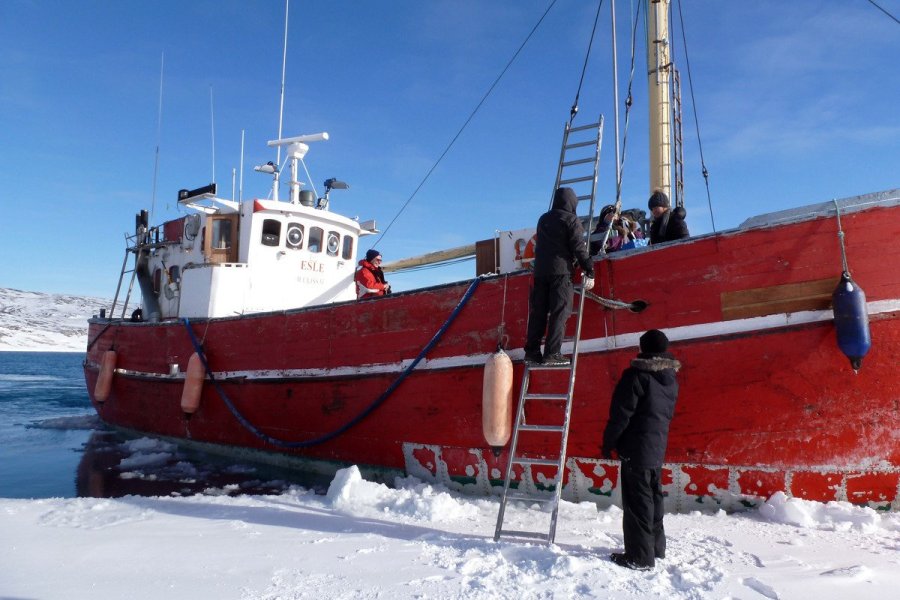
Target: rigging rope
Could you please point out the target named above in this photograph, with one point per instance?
(574, 110)
(872, 2)
(464, 125)
(837, 212)
(355, 420)
(628, 104)
(502, 337)
(687, 62)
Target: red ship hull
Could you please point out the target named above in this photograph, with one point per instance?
(767, 400)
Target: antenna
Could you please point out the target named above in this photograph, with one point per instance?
(281, 109)
(162, 63)
(212, 127)
(241, 187)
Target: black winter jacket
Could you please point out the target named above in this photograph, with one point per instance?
(669, 227)
(643, 404)
(560, 239)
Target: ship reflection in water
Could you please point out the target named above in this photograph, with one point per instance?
(113, 466)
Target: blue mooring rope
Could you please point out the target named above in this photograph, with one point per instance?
(378, 401)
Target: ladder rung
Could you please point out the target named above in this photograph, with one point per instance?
(558, 428)
(546, 462)
(576, 180)
(585, 127)
(580, 161)
(527, 498)
(525, 534)
(580, 144)
(548, 368)
(547, 396)
(583, 198)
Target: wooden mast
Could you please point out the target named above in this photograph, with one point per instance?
(659, 76)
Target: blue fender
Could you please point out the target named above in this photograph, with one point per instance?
(851, 320)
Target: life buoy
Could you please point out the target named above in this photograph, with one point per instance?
(496, 401)
(104, 380)
(193, 385)
(525, 252)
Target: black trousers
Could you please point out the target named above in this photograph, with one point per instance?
(642, 519)
(548, 310)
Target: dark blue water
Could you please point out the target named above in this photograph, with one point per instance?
(53, 445)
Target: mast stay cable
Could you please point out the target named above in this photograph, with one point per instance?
(629, 102)
(464, 125)
(873, 3)
(574, 110)
(687, 62)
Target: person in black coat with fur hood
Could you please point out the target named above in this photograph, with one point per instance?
(668, 223)
(642, 407)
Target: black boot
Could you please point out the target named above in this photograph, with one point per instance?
(621, 559)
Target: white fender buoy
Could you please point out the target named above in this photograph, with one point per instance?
(193, 385)
(104, 380)
(496, 400)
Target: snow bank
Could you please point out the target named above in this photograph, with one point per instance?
(839, 516)
(365, 540)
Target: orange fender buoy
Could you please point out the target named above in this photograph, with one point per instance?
(193, 385)
(104, 380)
(496, 400)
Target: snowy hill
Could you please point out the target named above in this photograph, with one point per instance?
(45, 322)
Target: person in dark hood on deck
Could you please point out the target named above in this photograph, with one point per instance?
(560, 242)
(642, 407)
(668, 223)
(369, 277)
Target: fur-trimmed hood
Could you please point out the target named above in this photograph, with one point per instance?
(655, 362)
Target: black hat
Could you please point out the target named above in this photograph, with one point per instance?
(606, 210)
(658, 198)
(372, 254)
(654, 342)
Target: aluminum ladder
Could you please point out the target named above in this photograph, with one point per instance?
(572, 159)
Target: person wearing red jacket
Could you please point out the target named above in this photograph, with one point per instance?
(369, 277)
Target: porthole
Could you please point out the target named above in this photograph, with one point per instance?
(294, 238)
(334, 242)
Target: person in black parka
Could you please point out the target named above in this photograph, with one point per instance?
(668, 223)
(559, 243)
(642, 407)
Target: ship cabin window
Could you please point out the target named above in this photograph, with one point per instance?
(334, 243)
(221, 234)
(157, 280)
(175, 273)
(294, 237)
(348, 247)
(271, 232)
(315, 239)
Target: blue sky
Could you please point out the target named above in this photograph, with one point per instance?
(798, 103)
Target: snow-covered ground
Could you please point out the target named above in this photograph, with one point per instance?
(34, 321)
(364, 540)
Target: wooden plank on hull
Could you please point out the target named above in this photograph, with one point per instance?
(775, 299)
